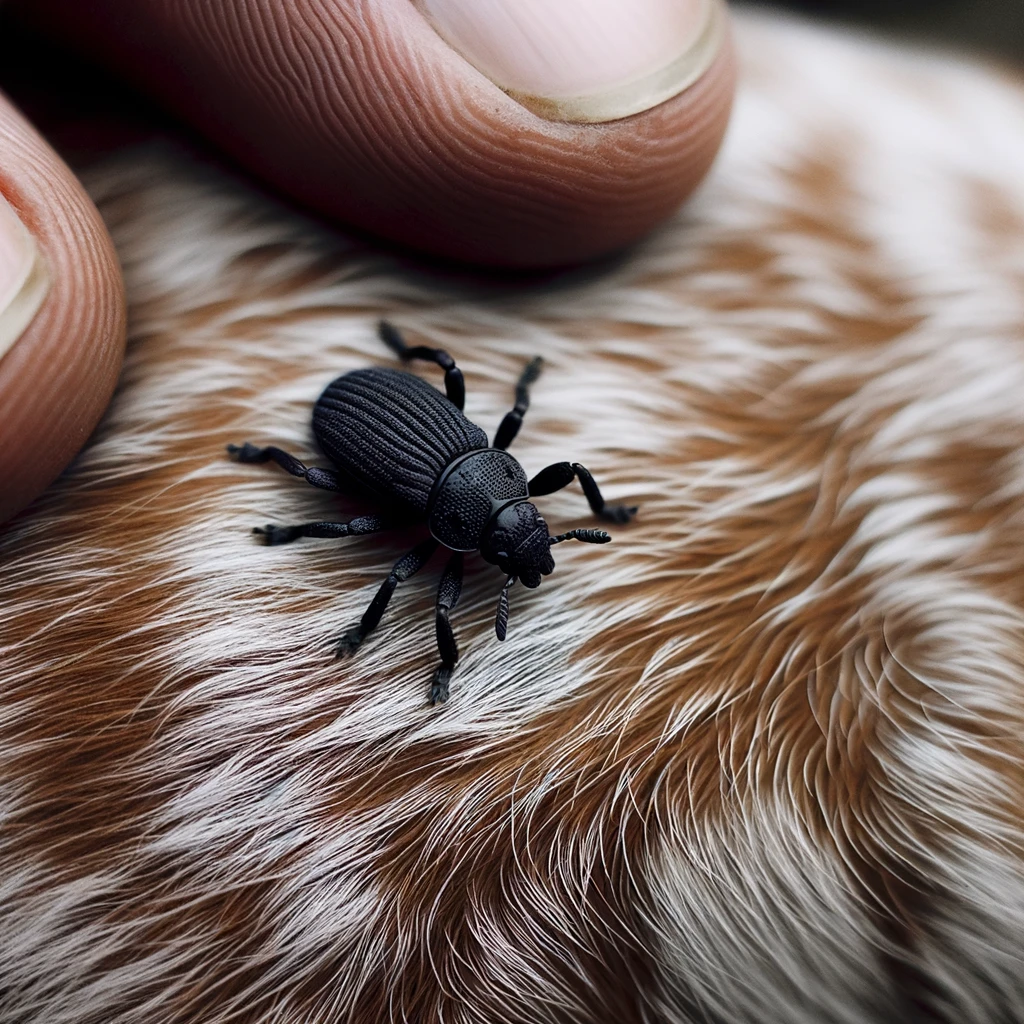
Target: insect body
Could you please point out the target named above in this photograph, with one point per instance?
(393, 436)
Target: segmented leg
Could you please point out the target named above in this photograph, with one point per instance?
(353, 528)
(586, 536)
(448, 594)
(323, 478)
(454, 385)
(514, 420)
(561, 474)
(408, 565)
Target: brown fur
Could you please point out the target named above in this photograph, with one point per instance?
(758, 760)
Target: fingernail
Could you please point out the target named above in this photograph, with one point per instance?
(584, 60)
(24, 279)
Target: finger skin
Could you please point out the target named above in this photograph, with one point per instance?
(57, 378)
(360, 110)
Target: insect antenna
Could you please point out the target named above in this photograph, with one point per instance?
(587, 536)
(501, 620)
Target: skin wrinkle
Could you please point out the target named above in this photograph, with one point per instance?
(372, 114)
(375, 125)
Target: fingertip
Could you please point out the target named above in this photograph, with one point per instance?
(60, 365)
(471, 173)
(367, 113)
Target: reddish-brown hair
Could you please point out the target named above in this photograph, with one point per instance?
(757, 760)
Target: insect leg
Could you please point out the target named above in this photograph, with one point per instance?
(454, 385)
(560, 474)
(514, 420)
(613, 513)
(448, 594)
(405, 567)
(553, 478)
(323, 478)
(353, 528)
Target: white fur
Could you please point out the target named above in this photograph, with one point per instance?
(816, 680)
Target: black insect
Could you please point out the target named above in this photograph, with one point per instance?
(394, 437)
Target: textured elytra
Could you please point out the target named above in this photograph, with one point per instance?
(392, 432)
(757, 760)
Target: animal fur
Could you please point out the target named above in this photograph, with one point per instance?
(758, 760)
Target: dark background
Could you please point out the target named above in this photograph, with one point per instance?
(994, 27)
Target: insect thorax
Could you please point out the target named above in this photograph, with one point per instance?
(470, 492)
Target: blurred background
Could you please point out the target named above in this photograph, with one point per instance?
(995, 27)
